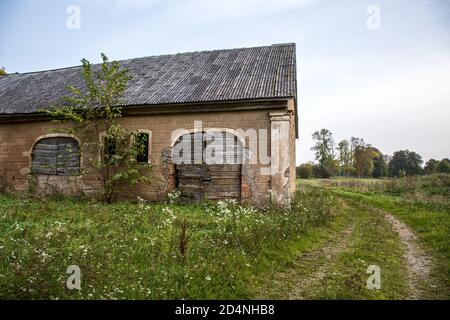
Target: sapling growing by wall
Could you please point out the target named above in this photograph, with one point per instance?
(92, 114)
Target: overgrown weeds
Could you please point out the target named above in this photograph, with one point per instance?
(148, 251)
(431, 188)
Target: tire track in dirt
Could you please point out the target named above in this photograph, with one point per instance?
(319, 260)
(329, 252)
(312, 267)
(419, 263)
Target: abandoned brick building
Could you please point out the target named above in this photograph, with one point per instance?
(229, 91)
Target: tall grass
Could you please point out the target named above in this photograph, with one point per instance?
(432, 188)
(423, 203)
(144, 251)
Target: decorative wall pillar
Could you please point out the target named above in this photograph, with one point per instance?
(280, 160)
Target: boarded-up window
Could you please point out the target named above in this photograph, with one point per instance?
(56, 156)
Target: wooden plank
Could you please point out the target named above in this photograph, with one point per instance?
(68, 157)
(68, 161)
(224, 173)
(49, 150)
(187, 186)
(222, 195)
(226, 167)
(193, 168)
(220, 189)
(44, 152)
(226, 182)
(46, 160)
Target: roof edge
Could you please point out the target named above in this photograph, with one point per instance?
(288, 44)
(174, 108)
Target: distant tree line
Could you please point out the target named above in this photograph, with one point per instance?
(356, 158)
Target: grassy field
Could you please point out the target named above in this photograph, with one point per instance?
(320, 248)
(143, 251)
(334, 266)
(422, 203)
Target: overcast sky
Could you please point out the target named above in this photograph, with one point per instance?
(386, 80)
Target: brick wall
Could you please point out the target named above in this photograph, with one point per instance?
(16, 140)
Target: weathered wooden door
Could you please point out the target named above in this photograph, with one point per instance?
(222, 182)
(191, 180)
(216, 178)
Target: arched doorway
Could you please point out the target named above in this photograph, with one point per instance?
(208, 165)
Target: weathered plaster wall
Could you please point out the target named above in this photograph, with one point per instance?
(16, 140)
(292, 139)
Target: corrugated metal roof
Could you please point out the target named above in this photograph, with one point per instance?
(208, 76)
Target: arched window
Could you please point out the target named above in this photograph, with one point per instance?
(56, 156)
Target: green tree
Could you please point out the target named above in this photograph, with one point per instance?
(323, 146)
(380, 166)
(345, 158)
(444, 166)
(305, 171)
(355, 143)
(431, 166)
(364, 160)
(108, 149)
(409, 162)
(2, 72)
(324, 153)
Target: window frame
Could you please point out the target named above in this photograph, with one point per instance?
(149, 146)
(149, 153)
